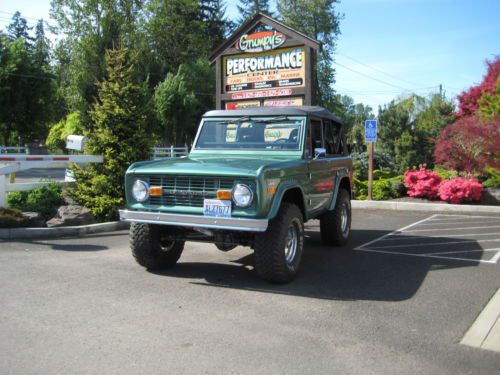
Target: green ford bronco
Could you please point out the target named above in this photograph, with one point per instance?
(252, 178)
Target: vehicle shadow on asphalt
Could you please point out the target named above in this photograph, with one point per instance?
(331, 273)
(66, 246)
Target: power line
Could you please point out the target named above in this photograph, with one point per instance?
(378, 70)
(370, 77)
(385, 91)
(26, 17)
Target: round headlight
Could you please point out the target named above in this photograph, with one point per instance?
(140, 191)
(242, 195)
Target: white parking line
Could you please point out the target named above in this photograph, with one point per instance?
(433, 230)
(491, 261)
(462, 222)
(401, 236)
(434, 243)
(390, 234)
(463, 251)
(405, 234)
(458, 217)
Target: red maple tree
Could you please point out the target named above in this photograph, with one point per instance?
(469, 144)
(468, 100)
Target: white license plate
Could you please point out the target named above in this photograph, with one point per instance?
(216, 208)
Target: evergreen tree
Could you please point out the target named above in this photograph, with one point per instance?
(18, 28)
(409, 127)
(216, 23)
(248, 8)
(181, 32)
(90, 28)
(41, 48)
(317, 19)
(118, 132)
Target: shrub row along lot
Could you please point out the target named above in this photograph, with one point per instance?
(84, 306)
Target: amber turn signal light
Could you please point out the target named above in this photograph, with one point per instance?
(155, 191)
(224, 194)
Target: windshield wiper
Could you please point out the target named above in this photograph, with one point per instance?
(271, 120)
(237, 121)
(255, 120)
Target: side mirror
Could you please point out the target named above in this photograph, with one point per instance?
(319, 152)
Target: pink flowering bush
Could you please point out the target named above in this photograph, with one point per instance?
(422, 183)
(458, 190)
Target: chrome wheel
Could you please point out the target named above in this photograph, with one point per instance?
(344, 218)
(292, 240)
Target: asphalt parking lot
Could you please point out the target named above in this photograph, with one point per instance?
(398, 298)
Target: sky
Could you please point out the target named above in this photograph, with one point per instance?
(388, 48)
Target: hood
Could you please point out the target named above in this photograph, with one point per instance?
(208, 165)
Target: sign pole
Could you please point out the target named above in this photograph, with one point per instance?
(370, 138)
(370, 170)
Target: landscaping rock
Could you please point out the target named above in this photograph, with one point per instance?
(71, 215)
(35, 219)
(491, 196)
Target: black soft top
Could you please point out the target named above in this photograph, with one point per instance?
(277, 111)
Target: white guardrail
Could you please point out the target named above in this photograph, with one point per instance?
(169, 152)
(12, 163)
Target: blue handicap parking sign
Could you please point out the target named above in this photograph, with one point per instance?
(371, 131)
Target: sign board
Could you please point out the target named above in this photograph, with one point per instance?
(371, 131)
(266, 70)
(283, 102)
(265, 61)
(243, 104)
(261, 41)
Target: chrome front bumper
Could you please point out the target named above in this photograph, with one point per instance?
(230, 223)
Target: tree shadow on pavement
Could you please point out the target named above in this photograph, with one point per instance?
(332, 273)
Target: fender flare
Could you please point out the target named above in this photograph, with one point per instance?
(341, 174)
(278, 196)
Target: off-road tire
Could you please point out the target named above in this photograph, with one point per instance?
(148, 250)
(270, 247)
(331, 224)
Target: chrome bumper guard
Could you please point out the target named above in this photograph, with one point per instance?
(231, 223)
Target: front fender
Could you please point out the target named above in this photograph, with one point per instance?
(278, 196)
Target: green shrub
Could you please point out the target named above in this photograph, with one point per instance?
(492, 178)
(383, 173)
(11, 218)
(446, 174)
(383, 188)
(44, 200)
(360, 189)
(56, 140)
(388, 188)
(382, 161)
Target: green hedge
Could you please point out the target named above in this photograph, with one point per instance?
(45, 200)
(385, 186)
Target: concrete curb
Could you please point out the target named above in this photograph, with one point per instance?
(427, 207)
(73, 231)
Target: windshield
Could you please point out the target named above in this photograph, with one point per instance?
(280, 133)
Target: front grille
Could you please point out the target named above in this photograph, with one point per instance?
(187, 191)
